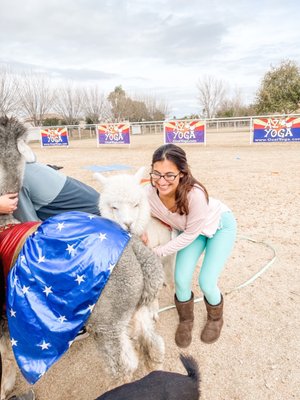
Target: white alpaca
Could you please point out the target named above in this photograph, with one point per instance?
(121, 324)
(124, 200)
(159, 234)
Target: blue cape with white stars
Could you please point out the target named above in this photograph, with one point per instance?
(55, 283)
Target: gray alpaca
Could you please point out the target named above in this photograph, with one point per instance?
(122, 322)
(12, 145)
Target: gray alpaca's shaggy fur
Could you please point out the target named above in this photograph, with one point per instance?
(12, 136)
(122, 321)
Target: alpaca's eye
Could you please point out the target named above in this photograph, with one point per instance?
(114, 208)
(136, 205)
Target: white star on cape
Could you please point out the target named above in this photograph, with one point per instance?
(102, 236)
(111, 267)
(62, 319)
(47, 290)
(12, 312)
(44, 345)
(91, 307)
(13, 342)
(41, 259)
(25, 289)
(70, 249)
(60, 226)
(79, 279)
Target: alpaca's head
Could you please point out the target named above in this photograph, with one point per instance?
(13, 153)
(124, 200)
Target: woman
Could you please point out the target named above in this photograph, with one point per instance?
(203, 223)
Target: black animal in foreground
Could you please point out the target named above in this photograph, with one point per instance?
(161, 385)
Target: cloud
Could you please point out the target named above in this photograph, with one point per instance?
(79, 74)
(163, 44)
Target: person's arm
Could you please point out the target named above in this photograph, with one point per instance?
(25, 210)
(198, 211)
(8, 203)
(74, 196)
(41, 184)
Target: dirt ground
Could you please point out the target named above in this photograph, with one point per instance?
(257, 355)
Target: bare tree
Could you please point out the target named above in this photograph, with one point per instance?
(137, 110)
(69, 103)
(232, 106)
(8, 92)
(157, 110)
(95, 106)
(161, 111)
(36, 96)
(119, 104)
(211, 95)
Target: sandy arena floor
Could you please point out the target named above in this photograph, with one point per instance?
(257, 356)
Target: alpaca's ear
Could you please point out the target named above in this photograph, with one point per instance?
(139, 174)
(26, 151)
(101, 178)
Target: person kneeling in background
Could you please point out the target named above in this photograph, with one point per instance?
(47, 192)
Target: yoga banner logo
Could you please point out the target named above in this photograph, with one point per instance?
(54, 137)
(184, 131)
(113, 133)
(276, 129)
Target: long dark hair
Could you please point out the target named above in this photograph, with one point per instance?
(177, 156)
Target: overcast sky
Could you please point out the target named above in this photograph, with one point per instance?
(157, 47)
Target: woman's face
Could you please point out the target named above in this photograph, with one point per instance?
(166, 185)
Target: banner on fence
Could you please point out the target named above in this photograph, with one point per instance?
(54, 137)
(114, 133)
(276, 129)
(184, 131)
(136, 129)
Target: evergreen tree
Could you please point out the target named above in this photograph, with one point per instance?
(280, 90)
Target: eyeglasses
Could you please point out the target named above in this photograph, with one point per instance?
(155, 176)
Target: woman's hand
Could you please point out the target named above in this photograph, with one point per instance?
(144, 238)
(8, 203)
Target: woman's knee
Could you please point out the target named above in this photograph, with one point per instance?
(207, 286)
(183, 295)
(211, 293)
(182, 285)
(182, 289)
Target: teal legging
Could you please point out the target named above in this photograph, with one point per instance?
(217, 250)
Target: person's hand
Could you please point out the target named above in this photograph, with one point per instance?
(8, 203)
(144, 238)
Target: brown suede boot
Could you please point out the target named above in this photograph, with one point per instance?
(214, 323)
(185, 309)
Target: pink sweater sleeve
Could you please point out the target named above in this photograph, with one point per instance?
(200, 217)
